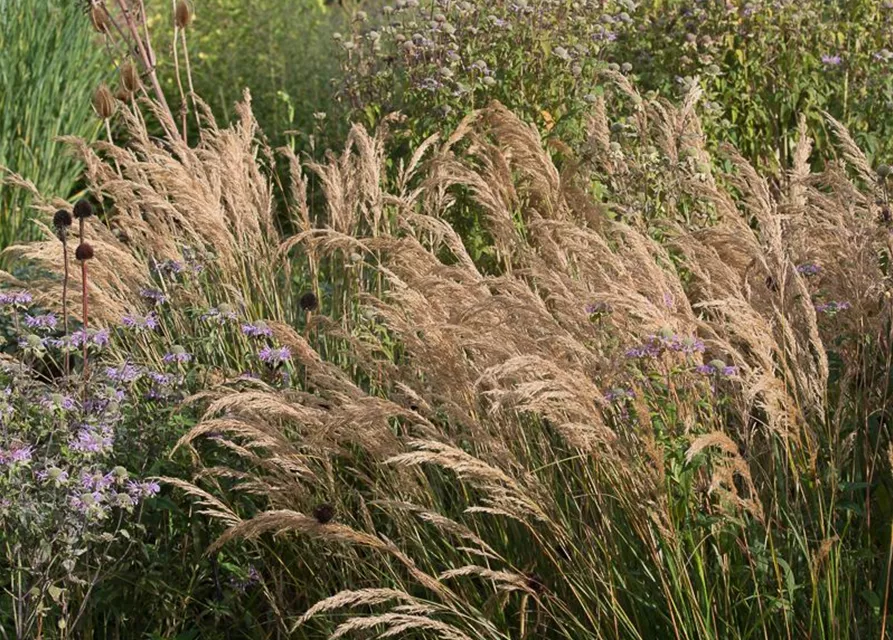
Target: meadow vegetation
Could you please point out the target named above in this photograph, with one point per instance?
(544, 356)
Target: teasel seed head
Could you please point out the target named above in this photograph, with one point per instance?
(324, 513)
(99, 19)
(104, 102)
(61, 219)
(84, 252)
(309, 301)
(130, 79)
(182, 15)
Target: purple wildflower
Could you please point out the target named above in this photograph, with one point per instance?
(177, 354)
(18, 455)
(138, 490)
(619, 393)
(832, 60)
(58, 401)
(16, 299)
(809, 269)
(126, 372)
(274, 356)
(46, 321)
(717, 368)
(159, 297)
(832, 307)
(140, 323)
(220, 313)
(89, 440)
(259, 329)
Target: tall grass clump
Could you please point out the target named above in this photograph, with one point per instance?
(660, 412)
(50, 68)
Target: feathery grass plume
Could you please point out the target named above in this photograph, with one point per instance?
(553, 405)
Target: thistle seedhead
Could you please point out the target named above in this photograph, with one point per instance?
(104, 102)
(84, 252)
(182, 15)
(83, 209)
(309, 302)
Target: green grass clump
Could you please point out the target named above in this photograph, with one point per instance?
(50, 67)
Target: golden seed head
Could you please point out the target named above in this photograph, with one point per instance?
(182, 15)
(104, 102)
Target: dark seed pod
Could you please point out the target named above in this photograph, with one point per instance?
(182, 15)
(61, 219)
(84, 252)
(309, 301)
(324, 513)
(83, 209)
(883, 171)
(104, 102)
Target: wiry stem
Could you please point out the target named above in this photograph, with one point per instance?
(84, 327)
(65, 301)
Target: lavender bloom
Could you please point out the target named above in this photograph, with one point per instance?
(598, 308)
(159, 297)
(258, 329)
(170, 267)
(141, 323)
(177, 354)
(717, 368)
(618, 393)
(47, 321)
(832, 61)
(124, 373)
(101, 338)
(89, 440)
(53, 474)
(220, 314)
(809, 269)
(16, 299)
(138, 490)
(161, 378)
(832, 307)
(58, 401)
(19, 455)
(274, 356)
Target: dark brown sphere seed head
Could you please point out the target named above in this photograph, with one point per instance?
(83, 209)
(309, 301)
(84, 252)
(324, 513)
(61, 219)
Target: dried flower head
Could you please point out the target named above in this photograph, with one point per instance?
(309, 302)
(84, 251)
(324, 513)
(61, 219)
(104, 102)
(130, 79)
(83, 209)
(99, 19)
(182, 15)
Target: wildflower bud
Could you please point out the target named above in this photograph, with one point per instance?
(130, 79)
(83, 209)
(84, 252)
(883, 171)
(182, 15)
(99, 19)
(324, 513)
(104, 102)
(309, 301)
(61, 219)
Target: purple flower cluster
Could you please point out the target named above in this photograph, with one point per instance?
(220, 314)
(809, 269)
(832, 60)
(93, 439)
(15, 299)
(619, 394)
(656, 345)
(832, 307)
(717, 368)
(177, 354)
(252, 578)
(259, 329)
(17, 455)
(157, 296)
(274, 356)
(141, 323)
(46, 321)
(125, 373)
